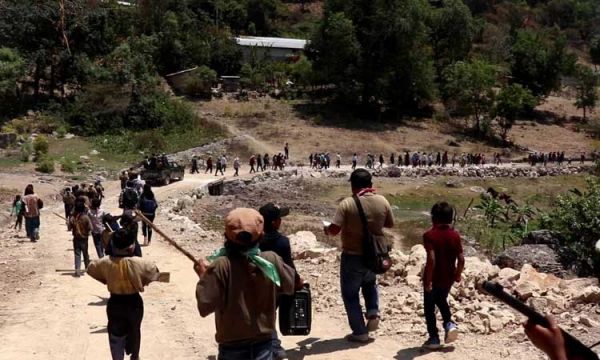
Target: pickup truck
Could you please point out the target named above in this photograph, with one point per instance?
(163, 175)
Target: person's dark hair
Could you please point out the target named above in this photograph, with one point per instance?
(122, 239)
(442, 213)
(79, 205)
(147, 192)
(17, 199)
(96, 203)
(29, 189)
(129, 183)
(360, 179)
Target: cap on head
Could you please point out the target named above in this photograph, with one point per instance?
(272, 212)
(244, 226)
(361, 179)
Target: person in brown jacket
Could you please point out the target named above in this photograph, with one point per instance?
(241, 287)
(81, 227)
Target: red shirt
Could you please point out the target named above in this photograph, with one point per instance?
(445, 242)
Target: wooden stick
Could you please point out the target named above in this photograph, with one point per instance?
(169, 240)
(468, 207)
(60, 216)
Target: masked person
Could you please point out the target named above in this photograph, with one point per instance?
(125, 276)
(241, 287)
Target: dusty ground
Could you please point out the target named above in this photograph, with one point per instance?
(273, 123)
(46, 314)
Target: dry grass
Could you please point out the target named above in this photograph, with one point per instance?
(274, 123)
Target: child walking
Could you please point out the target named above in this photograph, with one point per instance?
(18, 209)
(444, 266)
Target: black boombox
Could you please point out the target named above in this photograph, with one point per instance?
(295, 312)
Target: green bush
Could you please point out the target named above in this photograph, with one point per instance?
(26, 150)
(577, 217)
(40, 145)
(67, 165)
(199, 82)
(45, 165)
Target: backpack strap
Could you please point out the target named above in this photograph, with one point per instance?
(363, 217)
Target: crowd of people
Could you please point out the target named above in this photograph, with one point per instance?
(249, 276)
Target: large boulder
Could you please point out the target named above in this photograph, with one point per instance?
(542, 257)
(533, 283)
(543, 237)
(303, 241)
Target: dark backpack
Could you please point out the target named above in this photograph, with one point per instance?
(376, 253)
(129, 198)
(148, 206)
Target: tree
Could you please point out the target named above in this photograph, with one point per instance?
(538, 63)
(12, 69)
(470, 86)
(452, 33)
(511, 102)
(200, 82)
(595, 50)
(587, 90)
(335, 52)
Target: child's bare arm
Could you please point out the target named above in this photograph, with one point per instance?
(459, 267)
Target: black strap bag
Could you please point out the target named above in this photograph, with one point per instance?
(376, 252)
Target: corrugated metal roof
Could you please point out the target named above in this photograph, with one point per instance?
(283, 43)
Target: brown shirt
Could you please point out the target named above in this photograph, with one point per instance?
(31, 205)
(242, 298)
(379, 215)
(123, 275)
(81, 226)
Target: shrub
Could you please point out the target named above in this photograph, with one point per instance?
(45, 165)
(40, 145)
(576, 217)
(199, 83)
(26, 150)
(67, 165)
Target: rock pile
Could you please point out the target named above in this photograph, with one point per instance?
(216, 148)
(476, 312)
(481, 172)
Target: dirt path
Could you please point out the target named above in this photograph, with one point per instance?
(63, 317)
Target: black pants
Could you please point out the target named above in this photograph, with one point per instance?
(437, 297)
(68, 210)
(147, 230)
(125, 314)
(19, 222)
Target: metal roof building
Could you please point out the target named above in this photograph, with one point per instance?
(278, 49)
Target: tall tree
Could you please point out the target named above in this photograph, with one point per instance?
(587, 89)
(595, 50)
(511, 102)
(12, 69)
(470, 85)
(452, 32)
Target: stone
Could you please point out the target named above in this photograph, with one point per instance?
(414, 281)
(585, 320)
(454, 183)
(69, 136)
(94, 152)
(541, 257)
(417, 256)
(539, 304)
(545, 237)
(313, 253)
(589, 295)
(526, 289)
(184, 202)
(507, 276)
(302, 241)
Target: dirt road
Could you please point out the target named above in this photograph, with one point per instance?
(63, 317)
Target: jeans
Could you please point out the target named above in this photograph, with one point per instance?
(354, 276)
(125, 314)
(436, 297)
(147, 230)
(81, 246)
(258, 351)
(98, 245)
(32, 227)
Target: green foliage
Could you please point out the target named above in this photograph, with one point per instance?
(452, 32)
(538, 63)
(67, 165)
(511, 102)
(587, 89)
(26, 151)
(376, 52)
(40, 145)
(595, 50)
(577, 217)
(45, 165)
(12, 69)
(199, 82)
(492, 209)
(470, 86)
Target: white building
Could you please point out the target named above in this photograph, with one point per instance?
(278, 49)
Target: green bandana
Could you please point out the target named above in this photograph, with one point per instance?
(253, 255)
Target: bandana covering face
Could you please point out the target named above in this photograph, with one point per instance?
(253, 255)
